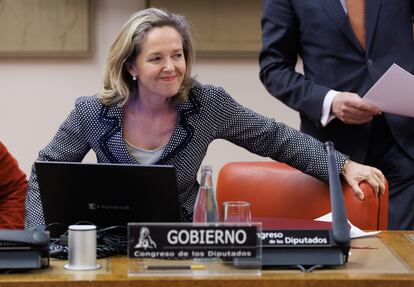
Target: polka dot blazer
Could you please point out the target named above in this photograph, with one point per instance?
(209, 114)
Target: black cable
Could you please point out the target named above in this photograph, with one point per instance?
(111, 240)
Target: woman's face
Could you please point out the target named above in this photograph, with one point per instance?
(160, 67)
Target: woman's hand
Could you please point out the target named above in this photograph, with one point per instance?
(354, 173)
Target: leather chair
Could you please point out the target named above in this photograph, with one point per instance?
(275, 189)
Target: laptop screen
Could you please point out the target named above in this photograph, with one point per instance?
(107, 194)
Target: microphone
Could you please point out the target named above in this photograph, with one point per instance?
(340, 228)
(330, 247)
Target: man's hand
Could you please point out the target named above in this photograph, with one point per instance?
(351, 109)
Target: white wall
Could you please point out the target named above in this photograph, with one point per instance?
(37, 94)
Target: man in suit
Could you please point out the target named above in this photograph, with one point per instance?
(346, 46)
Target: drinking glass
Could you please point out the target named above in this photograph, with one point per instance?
(236, 212)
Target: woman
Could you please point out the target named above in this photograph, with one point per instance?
(152, 112)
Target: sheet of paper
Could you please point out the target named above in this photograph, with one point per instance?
(393, 92)
(355, 231)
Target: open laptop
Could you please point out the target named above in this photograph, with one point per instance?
(107, 194)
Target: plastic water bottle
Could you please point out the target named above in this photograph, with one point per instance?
(205, 208)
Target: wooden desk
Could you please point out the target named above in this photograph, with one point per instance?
(366, 267)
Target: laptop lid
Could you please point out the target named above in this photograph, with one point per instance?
(107, 194)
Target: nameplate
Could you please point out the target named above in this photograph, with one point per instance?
(295, 238)
(186, 241)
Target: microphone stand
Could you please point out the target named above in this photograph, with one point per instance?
(310, 256)
(340, 227)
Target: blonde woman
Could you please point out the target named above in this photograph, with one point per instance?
(151, 111)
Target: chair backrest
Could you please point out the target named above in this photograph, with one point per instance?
(275, 189)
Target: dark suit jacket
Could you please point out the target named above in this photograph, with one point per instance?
(319, 31)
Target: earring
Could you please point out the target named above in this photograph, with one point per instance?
(134, 77)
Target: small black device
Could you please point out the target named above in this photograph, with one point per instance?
(106, 194)
(24, 249)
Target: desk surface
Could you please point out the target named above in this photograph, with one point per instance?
(368, 266)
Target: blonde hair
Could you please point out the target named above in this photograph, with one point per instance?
(118, 83)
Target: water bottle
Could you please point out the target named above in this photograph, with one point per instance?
(205, 208)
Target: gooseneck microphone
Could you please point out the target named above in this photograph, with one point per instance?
(340, 227)
(319, 246)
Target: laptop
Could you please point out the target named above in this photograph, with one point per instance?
(107, 195)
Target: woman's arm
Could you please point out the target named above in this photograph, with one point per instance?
(269, 138)
(69, 144)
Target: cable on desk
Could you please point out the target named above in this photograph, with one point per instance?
(109, 241)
